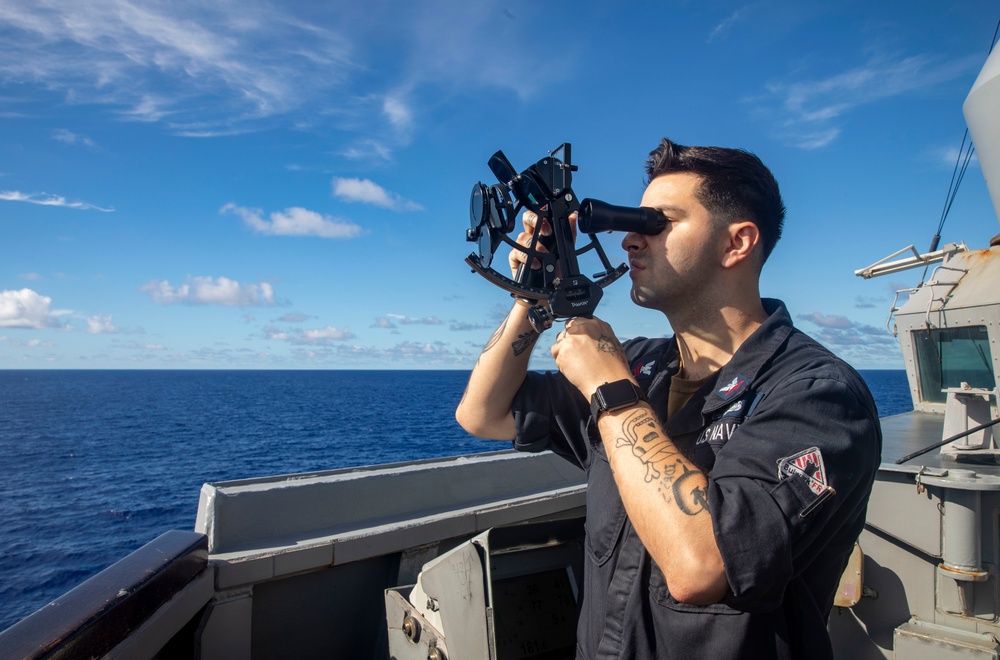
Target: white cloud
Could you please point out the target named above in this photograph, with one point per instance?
(409, 320)
(211, 291)
(138, 346)
(368, 150)
(721, 30)
(422, 353)
(101, 324)
(389, 321)
(295, 221)
(68, 137)
(951, 155)
(294, 317)
(399, 114)
(367, 191)
(856, 342)
(27, 309)
(211, 64)
(828, 321)
(868, 302)
(462, 326)
(326, 335)
(311, 337)
(31, 343)
(46, 199)
(811, 114)
(228, 67)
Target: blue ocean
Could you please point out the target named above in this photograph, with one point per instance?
(98, 463)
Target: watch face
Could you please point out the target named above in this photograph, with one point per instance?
(617, 394)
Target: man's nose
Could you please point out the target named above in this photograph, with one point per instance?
(633, 242)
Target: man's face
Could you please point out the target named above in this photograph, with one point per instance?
(671, 270)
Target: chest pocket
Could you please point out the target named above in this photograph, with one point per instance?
(723, 426)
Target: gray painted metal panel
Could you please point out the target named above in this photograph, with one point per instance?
(454, 587)
(279, 511)
(920, 527)
(962, 292)
(980, 111)
(918, 640)
(224, 630)
(906, 433)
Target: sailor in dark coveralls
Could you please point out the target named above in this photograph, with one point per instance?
(729, 467)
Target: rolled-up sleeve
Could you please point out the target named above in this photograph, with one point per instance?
(797, 471)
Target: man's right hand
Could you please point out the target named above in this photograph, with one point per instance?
(517, 257)
(530, 222)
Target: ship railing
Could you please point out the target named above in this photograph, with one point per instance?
(886, 266)
(130, 609)
(949, 288)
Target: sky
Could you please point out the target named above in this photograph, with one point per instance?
(285, 185)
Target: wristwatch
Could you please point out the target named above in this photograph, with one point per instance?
(612, 396)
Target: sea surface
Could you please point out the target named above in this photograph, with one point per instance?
(94, 464)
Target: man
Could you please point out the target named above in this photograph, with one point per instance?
(729, 467)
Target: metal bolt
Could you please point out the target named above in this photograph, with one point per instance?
(411, 629)
(432, 604)
(549, 268)
(569, 197)
(434, 653)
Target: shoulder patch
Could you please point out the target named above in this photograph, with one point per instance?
(808, 464)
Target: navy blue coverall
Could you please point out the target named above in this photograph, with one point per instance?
(789, 438)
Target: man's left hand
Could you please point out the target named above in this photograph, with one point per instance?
(589, 354)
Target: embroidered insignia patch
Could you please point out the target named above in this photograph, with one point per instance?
(643, 369)
(733, 388)
(807, 464)
(734, 409)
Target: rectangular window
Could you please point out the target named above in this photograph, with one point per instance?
(948, 357)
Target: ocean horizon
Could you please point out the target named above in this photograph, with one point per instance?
(99, 462)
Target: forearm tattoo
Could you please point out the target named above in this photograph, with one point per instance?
(496, 336)
(652, 449)
(690, 492)
(524, 342)
(665, 466)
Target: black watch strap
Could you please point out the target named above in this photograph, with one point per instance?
(612, 396)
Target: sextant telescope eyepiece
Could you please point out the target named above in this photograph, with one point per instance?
(597, 216)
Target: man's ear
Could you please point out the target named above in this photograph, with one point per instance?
(743, 238)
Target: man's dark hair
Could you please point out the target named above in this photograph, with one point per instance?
(735, 185)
